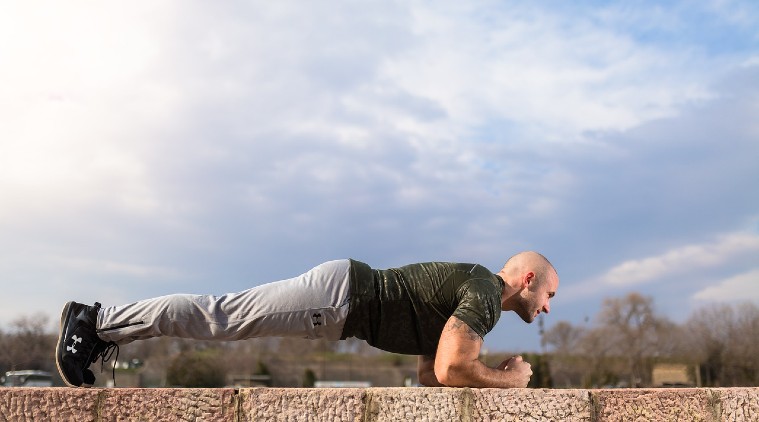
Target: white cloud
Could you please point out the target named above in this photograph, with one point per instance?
(741, 287)
(100, 93)
(532, 66)
(76, 108)
(683, 259)
(752, 61)
(110, 268)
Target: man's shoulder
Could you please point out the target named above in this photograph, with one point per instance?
(465, 267)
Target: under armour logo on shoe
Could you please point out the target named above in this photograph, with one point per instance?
(76, 340)
(315, 318)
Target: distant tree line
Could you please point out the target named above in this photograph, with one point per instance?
(27, 343)
(627, 338)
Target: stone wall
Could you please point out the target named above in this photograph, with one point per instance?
(378, 404)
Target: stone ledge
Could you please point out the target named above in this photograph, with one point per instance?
(378, 404)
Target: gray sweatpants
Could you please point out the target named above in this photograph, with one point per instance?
(312, 305)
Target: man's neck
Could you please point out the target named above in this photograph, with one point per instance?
(510, 290)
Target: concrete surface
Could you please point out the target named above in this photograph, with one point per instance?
(378, 404)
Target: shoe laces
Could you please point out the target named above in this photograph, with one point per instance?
(105, 355)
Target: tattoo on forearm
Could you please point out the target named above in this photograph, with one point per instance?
(456, 324)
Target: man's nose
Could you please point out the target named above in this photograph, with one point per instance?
(547, 307)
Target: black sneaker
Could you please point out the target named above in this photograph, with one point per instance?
(79, 345)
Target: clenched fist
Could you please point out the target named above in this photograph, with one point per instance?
(520, 370)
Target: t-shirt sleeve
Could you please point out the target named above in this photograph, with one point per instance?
(479, 305)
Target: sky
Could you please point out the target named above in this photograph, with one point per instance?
(150, 148)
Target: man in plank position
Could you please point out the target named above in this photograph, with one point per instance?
(438, 310)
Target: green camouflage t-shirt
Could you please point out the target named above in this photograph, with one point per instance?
(403, 310)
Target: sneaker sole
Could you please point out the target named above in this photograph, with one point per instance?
(65, 314)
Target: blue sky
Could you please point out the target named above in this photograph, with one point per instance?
(151, 148)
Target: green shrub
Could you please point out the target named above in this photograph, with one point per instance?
(197, 368)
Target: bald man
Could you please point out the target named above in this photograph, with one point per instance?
(438, 310)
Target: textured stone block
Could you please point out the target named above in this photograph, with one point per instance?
(738, 404)
(301, 404)
(168, 404)
(48, 404)
(666, 404)
(530, 405)
(378, 404)
(417, 404)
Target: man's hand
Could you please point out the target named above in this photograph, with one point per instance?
(522, 371)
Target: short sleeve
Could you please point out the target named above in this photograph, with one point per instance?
(479, 305)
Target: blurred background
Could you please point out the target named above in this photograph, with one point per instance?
(149, 148)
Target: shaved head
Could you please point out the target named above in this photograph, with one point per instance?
(533, 261)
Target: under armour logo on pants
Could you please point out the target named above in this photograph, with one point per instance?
(315, 318)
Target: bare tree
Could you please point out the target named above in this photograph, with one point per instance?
(28, 344)
(563, 338)
(563, 342)
(743, 358)
(596, 348)
(724, 339)
(636, 333)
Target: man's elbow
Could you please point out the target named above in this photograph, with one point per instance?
(427, 378)
(451, 375)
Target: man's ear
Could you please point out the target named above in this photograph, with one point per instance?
(527, 279)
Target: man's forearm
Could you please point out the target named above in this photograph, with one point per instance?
(477, 375)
